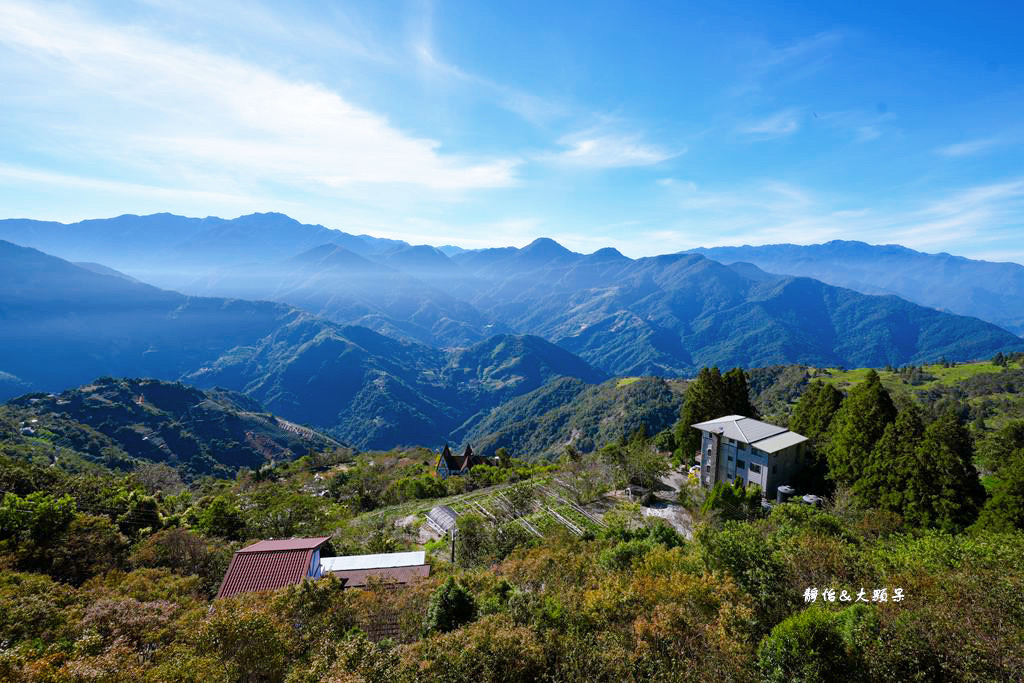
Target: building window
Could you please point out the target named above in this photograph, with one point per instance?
(730, 458)
(774, 469)
(741, 464)
(755, 468)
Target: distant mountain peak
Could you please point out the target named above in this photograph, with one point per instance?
(544, 250)
(607, 254)
(545, 244)
(418, 255)
(332, 255)
(268, 218)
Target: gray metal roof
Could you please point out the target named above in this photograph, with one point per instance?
(739, 428)
(774, 444)
(442, 518)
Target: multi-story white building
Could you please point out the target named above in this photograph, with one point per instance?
(736, 447)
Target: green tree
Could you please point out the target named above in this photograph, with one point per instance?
(222, 518)
(473, 540)
(704, 400)
(638, 461)
(737, 394)
(813, 413)
(141, 513)
(893, 463)
(733, 501)
(754, 560)
(665, 440)
(451, 606)
(91, 545)
(37, 517)
(810, 647)
(709, 396)
(521, 498)
(946, 492)
(1004, 511)
(856, 428)
(996, 448)
(925, 475)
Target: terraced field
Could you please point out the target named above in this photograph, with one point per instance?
(550, 508)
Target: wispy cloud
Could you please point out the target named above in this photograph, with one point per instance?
(977, 213)
(813, 48)
(970, 147)
(868, 133)
(863, 126)
(596, 150)
(14, 173)
(177, 109)
(779, 124)
(785, 63)
(533, 108)
(964, 220)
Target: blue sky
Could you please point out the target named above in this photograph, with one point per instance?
(651, 127)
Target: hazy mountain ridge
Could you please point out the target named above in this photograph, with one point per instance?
(65, 325)
(988, 290)
(373, 391)
(146, 241)
(664, 315)
(668, 315)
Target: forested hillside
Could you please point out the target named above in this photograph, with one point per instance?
(988, 290)
(570, 414)
(125, 423)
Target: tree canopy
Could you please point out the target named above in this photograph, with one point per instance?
(856, 427)
(709, 396)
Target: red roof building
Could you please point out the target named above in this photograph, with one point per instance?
(272, 564)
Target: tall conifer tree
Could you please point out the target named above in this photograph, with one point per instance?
(856, 428)
(737, 394)
(704, 400)
(813, 413)
(710, 396)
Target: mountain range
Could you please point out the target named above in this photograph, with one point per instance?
(64, 325)
(382, 343)
(666, 315)
(987, 290)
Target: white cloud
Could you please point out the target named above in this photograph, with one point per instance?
(777, 125)
(969, 147)
(179, 110)
(595, 150)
